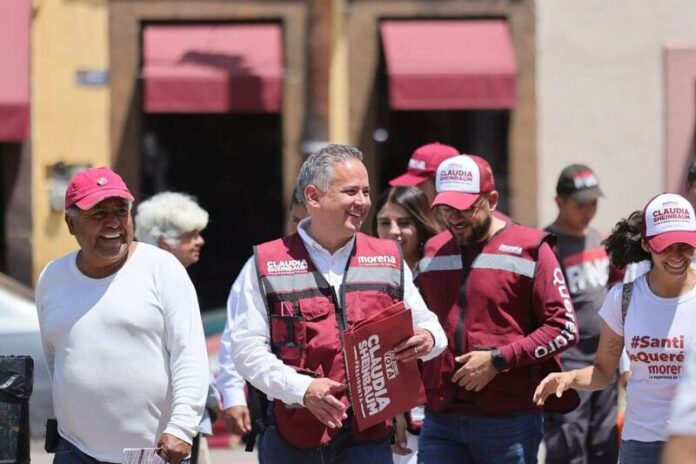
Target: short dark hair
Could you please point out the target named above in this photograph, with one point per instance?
(415, 202)
(691, 173)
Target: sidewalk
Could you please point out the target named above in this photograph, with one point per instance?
(217, 455)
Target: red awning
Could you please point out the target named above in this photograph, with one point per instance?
(212, 68)
(453, 64)
(15, 31)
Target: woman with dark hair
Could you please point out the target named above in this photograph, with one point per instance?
(653, 317)
(403, 214)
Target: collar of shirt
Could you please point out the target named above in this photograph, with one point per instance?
(332, 267)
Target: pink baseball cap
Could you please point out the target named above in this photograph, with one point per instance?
(89, 187)
(668, 219)
(423, 164)
(461, 180)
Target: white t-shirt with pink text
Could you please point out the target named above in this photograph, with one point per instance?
(657, 331)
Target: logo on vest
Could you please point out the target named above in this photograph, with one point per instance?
(287, 266)
(372, 371)
(517, 250)
(376, 260)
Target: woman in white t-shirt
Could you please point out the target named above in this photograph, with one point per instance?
(659, 323)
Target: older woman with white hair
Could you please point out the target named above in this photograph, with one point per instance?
(172, 221)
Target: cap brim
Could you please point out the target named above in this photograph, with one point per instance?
(586, 195)
(659, 243)
(457, 200)
(92, 199)
(408, 179)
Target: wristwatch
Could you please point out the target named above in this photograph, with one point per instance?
(498, 360)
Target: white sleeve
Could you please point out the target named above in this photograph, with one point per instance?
(422, 316)
(610, 312)
(624, 362)
(48, 350)
(185, 343)
(228, 382)
(683, 418)
(251, 349)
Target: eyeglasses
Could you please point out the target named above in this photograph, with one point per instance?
(466, 213)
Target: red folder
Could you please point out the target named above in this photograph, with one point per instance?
(381, 386)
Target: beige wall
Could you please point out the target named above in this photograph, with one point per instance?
(69, 122)
(601, 95)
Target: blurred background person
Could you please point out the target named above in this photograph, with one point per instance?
(587, 434)
(173, 221)
(422, 168)
(403, 214)
(297, 211)
(654, 320)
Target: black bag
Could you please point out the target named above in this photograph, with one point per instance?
(16, 385)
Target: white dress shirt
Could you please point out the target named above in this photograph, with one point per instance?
(229, 383)
(250, 335)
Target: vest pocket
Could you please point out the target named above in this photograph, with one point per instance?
(289, 337)
(313, 309)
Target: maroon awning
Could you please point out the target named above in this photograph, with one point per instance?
(15, 27)
(449, 64)
(218, 68)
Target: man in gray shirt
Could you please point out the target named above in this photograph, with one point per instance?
(588, 434)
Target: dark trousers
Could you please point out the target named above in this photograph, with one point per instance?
(273, 449)
(587, 435)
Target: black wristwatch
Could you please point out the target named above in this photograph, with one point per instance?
(498, 360)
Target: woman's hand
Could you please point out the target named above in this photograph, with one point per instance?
(557, 383)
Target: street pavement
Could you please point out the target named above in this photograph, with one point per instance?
(217, 455)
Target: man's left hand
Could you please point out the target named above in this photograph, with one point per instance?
(477, 370)
(420, 344)
(172, 449)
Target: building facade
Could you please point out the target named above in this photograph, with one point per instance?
(223, 98)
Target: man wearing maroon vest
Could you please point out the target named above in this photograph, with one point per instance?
(297, 297)
(501, 297)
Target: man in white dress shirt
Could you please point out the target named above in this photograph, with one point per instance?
(314, 287)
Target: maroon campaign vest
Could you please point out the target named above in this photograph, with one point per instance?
(307, 322)
(498, 311)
